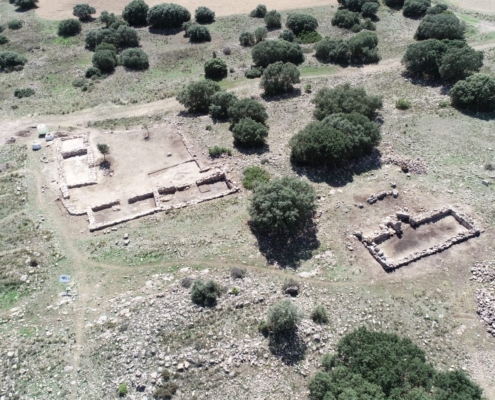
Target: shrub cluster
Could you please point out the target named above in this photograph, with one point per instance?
(215, 69)
(448, 59)
(10, 61)
(350, 20)
(298, 23)
(254, 176)
(24, 4)
(105, 60)
(247, 39)
(69, 27)
(279, 77)
(283, 317)
(83, 11)
(135, 59)
(14, 24)
(287, 35)
(249, 133)
(360, 5)
(197, 95)
(119, 34)
(319, 315)
(273, 19)
(394, 3)
(217, 151)
(167, 16)
(220, 102)
(260, 34)
(20, 93)
(476, 93)
(380, 366)
(440, 26)
(4, 39)
(205, 293)
(107, 18)
(196, 33)
(309, 37)
(204, 15)
(258, 12)
(254, 72)
(269, 52)
(359, 49)
(415, 8)
(247, 108)
(92, 71)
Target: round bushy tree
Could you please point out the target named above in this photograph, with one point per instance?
(424, 57)
(283, 317)
(105, 60)
(69, 27)
(4, 39)
(220, 102)
(363, 47)
(136, 12)
(279, 77)
(135, 59)
(247, 39)
(270, 51)
(440, 26)
(287, 35)
(247, 108)
(106, 46)
(345, 19)
(167, 15)
(205, 293)
(204, 15)
(333, 50)
(476, 93)
(260, 34)
(249, 133)
(10, 60)
(356, 5)
(258, 12)
(283, 206)
(127, 36)
(437, 9)
(107, 18)
(459, 63)
(83, 11)
(96, 36)
(415, 8)
(14, 24)
(273, 20)
(215, 69)
(370, 9)
(92, 71)
(345, 99)
(25, 4)
(196, 96)
(198, 33)
(254, 176)
(298, 23)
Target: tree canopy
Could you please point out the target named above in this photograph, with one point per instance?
(476, 93)
(247, 108)
(136, 12)
(415, 8)
(356, 5)
(279, 77)
(298, 23)
(196, 96)
(440, 26)
(271, 51)
(167, 15)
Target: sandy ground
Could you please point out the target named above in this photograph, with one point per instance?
(484, 6)
(57, 10)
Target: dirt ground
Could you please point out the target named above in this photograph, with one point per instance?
(57, 10)
(484, 6)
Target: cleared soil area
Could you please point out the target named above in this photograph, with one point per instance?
(484, 6)
(76, 169)
(63, 9)
(423, 237)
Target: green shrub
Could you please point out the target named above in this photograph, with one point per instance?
(95, 37)
(273, 20)
(122, 390)
(127, 36)
(205, 293)
(247, 39)
(336, 139)
(196, 96)
(79, 83)
(220, 103)
(25, 4)
(166, 392)
(2, 28)
(253, 73)
(298, 23)
(107, 18)
(105, 60)
(282, 206)
(10, 60)
(438, 9)
(217, 151)
(319, 386)
(69, 27)
(92, 71)
(308, 88)
(333, 50)
(345, 99)
(254, 176)
(345, 19)
(136, 12)
(283, 317)
(363, 48)
(204, 15)
(271, 51)
(249, 133)
(319, 315)
(4, 39)
(260, 34)
(237, 273)
(476, 93)
(167, 15)
(215, 69)
(247, 108)
(264, 328)
(459, 63)
(398, 4)
(440, 26)
(356, 5)
(14, 24)
(20, 93)
(165, 375)
(415, 8)
(443, 104)
(135, 59)
(287, 35)
(370, 9)
(83, 11)
(118, 23)
(258, 12)
(198, 33)
(368, 24)
(403, 104)
(106, 46)
(279, 77)
(309, 37)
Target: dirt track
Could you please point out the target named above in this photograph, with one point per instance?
(61, 9)
(484, 6)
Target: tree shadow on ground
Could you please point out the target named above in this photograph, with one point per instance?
(248, 151)
(430, 82)
(287, 250)
(164, 31)
(295, 92)
(484, 116)
(289, 347)
(341, 176)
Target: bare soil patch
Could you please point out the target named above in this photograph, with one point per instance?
(63, 9)
(484, 6)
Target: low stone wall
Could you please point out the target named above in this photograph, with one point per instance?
(75, 152)
(93, 226)
(215, 177)
(140, 197)
(81, 184)
(167, 190)
(104, 206)
(380, 196)
(71, 209)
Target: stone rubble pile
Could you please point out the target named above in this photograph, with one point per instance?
(486, 309)
(416, 166)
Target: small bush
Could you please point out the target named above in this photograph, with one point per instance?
(271, 51)
(14, 24)
(69, 27)
(254, 176)
(185, 283)
(20, 93)
(197, 95)
(237, 273)
(301, 22)
(279, 77)
(260, 34)
(106, 46)
(345, 19)
(290, 283)
(368, 24)
(287, 35)
(253, 73)
(205, 293)
(319, 315)
(415, 8)
(135, 59)
(107, 18)
(117, 24)
(476, 93)
(308, 88)
(273, 20)
(403, 104)
(2, 28)
(78, 83)
(10, 60)
(105, 60)
(227, 51)
(247, 39)
(122, 390)
(95, 37)
(247, 108)
(249, 133)
(198, 33)
(309, 37)
(165, 375)
(4, 39)
(215, 69)
(167, 15)
(166, 392)
(283, 317)
(443, 104)
(83, 11)
(264, 328)
(369, 9)
(438, 9)
(204, 15)
(217, 151)
(363, 48)
(136, 12)
(25, 4)
(127, 36)
(220, 103)
(235, 291)
(258, 12)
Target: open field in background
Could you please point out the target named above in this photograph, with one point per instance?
(482, 6)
